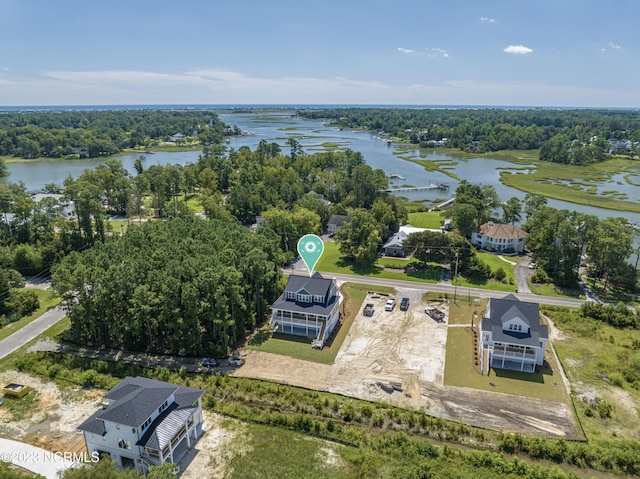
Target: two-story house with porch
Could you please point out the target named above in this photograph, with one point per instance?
(309, 306)
(511, 336)
(501, 238)
(144, 422)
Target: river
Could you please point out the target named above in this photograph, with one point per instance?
(279, 125)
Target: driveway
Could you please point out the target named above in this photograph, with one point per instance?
(523, 273)
(34, 459)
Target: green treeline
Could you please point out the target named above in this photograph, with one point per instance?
(101, 133)
(186, 285)
(563, 136)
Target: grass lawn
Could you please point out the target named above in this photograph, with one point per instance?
(299, 347)
(426, 219)
(47, 301)
(331, 262)
(552, 290)
(460, 371)
(193, 203)
(495, 262)
(462, 311)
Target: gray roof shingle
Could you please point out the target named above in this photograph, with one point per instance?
(134, 400)
(502, 310)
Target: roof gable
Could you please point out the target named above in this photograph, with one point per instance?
(316, 285)
(497, 230)
(134, 400)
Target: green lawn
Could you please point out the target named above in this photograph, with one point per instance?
(47, 301)
(552, 290)
(426, 219)
(331, 262)
(460, 371)
(193, 202)
(495, 262)
(299, 347)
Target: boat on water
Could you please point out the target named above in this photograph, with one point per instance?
(395, 176)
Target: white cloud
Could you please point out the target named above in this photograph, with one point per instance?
(487, 19)
(517, 49)
(437, 52)
(405, 50)
(614, 46)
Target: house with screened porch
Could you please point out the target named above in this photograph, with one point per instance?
(511, 336)
(144, 422)
(309, 306)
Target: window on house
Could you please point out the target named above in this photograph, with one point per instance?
(304, 298)
(511, 327)
(519, 327)
(318, 299)
(291, 295)
(124, 444)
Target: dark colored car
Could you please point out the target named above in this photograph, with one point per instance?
(404, 304)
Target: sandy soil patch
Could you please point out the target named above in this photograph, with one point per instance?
(52, 423)
(405, 348)
(209, 456)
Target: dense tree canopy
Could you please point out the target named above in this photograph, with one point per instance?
(564, 136)
(56, 134)
(185, 285)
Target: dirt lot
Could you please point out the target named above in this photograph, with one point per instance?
(399, 357)
(51, 420)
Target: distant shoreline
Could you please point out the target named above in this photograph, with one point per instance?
(292, 106)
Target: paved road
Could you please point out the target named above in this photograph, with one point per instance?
(34, 459)
(30, 331)
(459, 291)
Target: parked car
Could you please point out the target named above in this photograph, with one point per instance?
(391, 303)
(404, 304)
(209, 363)
(235, 360)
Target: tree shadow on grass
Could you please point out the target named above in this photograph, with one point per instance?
(519, 376)
(262, 335)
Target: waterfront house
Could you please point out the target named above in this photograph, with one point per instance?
(144, 422)
(309, 306)
(511, 336)
(499, 237)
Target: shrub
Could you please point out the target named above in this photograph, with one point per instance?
(540, 276)
(500, 274)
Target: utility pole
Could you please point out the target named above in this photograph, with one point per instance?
(455, 279)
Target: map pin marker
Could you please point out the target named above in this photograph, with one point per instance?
(310, 248)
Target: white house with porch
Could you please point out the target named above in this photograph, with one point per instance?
(511, 336)
(499, 237)
(144, 422)
(309, 306)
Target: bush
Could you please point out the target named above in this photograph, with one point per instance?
(499, 274)
(540, 276)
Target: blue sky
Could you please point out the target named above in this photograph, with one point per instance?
(416, 52)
